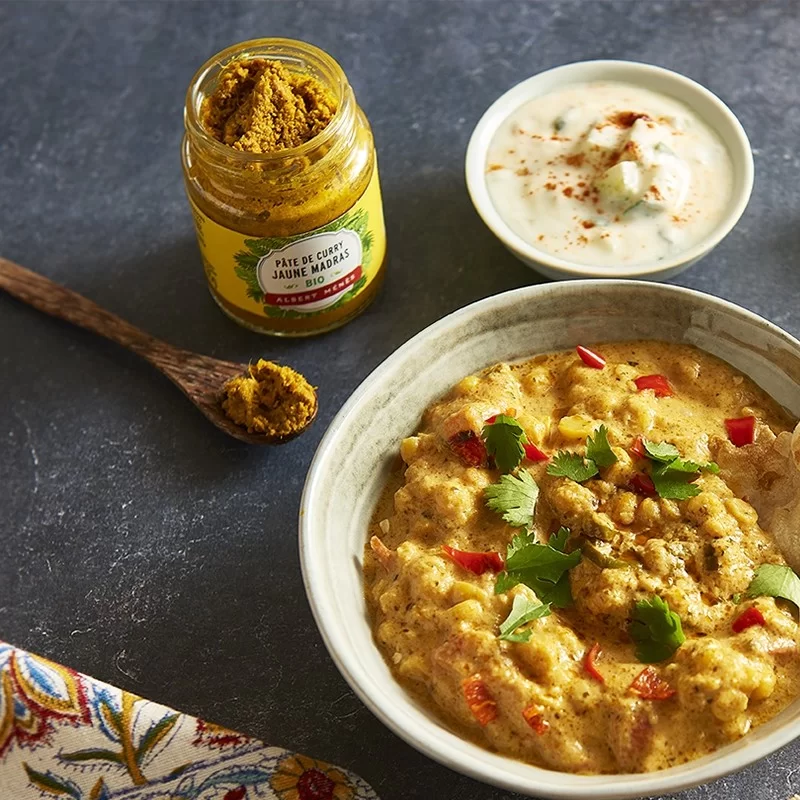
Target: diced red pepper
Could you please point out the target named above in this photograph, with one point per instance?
(592, 654)
(534, 718)
(477, 563)
(590, 358)
(491, 420)
(741, 431)
(533, 453)
(658, 383)
(480, 700)
(469, 447)
(650, 686)
(748, 618)
(643, 484)
(637, 448)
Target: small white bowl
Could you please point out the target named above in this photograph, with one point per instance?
(704, 103)
(355, 456)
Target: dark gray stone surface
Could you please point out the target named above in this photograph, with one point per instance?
(138, 543)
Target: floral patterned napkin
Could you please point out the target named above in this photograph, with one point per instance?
(64, 735)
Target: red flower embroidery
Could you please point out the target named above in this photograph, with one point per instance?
(302, 778)
(315, 785)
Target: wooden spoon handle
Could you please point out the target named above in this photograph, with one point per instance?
(58, 301)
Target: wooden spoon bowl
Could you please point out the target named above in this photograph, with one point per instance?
(200, 378)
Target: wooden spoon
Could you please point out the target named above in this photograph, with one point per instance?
(200, 378)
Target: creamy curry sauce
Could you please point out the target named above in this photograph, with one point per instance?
(437, 623)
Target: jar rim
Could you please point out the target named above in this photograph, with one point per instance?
(281, 49)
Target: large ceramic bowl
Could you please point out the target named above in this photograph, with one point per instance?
(355, 456)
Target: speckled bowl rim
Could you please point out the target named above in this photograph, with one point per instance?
(704, 103)
(402, 716)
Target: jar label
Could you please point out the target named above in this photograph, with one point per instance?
(297, 276)
(313, 273)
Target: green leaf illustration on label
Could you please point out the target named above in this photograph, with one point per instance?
(308, 265)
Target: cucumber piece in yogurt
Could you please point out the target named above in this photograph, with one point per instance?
(667, 184)
(601, 141)
(621, 184)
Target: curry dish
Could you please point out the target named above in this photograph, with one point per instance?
(560, 570)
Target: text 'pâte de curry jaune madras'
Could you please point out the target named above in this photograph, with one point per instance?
(563, 572)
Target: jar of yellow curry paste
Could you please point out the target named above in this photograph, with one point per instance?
(282, 178)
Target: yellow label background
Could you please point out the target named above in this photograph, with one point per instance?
(219, 244)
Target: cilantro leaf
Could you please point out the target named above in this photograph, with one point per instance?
(674, 484)
(599, 450)
(560, 594)
(514, 498)
(504, 582)
(656, 630)
(674, 480)
(571, 465)
(519, 542)
(775, 580)
(681, 465)
(541, 567)
(558, 540)
(504, 438)
(672, 475)
(522, 611)
(660, 451)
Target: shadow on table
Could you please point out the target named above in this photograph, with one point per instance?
(441, 257)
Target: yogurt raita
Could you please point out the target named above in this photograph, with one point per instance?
(608, 174)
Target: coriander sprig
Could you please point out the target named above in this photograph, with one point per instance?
(514, 498)
(656, 630)
(579, 468)
(504, 437)
(523, 611)
(571, 465)
(673, 476)
(541, 567)
(599, 450)
(775, 580)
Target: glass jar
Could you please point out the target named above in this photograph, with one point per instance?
(293, 242)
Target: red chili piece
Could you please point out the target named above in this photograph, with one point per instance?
(480, 700)
(741, 431)
(491, 420)
(469, 448)
(658, 383)
(637, 448)
(748, 618)
(590, 358)
(649, 686)
(592, 654)
(533, 453)
(478, 563)
(535, 720)
(643, 484)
